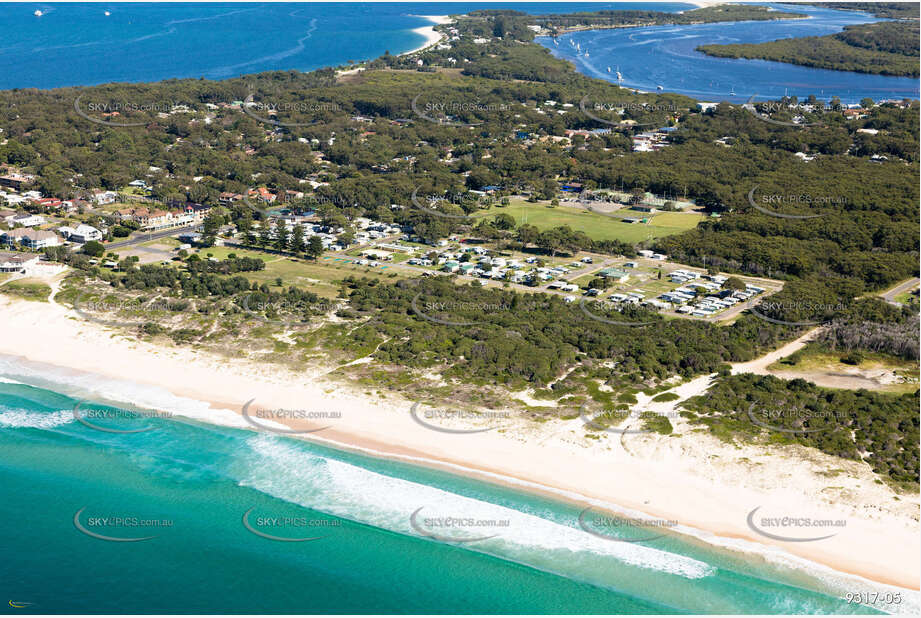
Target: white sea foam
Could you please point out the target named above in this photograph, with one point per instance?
(281, 469)
(38, 420)
(103, 389)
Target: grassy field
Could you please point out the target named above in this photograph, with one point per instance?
(29, 289)
(596, 226)
(318, 276)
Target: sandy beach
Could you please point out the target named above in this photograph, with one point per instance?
(431, 37)
(704, 484)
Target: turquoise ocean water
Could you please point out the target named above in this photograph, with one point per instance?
(196, 480)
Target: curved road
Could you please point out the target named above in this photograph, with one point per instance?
(890, 294)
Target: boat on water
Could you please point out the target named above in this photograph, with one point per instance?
(660, 88)
(38, 13)
(609, 69)
(620, 77)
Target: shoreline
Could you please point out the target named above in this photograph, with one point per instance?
(663, 486)
(431, 36)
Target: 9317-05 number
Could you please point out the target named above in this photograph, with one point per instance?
(874, 598)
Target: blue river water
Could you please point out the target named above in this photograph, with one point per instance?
(665, 56)
(196, 500)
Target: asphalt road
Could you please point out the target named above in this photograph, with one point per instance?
(890, 294)
(142, 238)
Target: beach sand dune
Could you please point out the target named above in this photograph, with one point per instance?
(701, 482)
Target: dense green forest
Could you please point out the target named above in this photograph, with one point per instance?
(517, 340)
(884, 48)
(878, 428)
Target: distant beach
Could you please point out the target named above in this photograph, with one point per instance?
(431, 36)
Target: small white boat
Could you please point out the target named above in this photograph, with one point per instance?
(609, 69)
(660, 88)
(107, 13)
(38, 13)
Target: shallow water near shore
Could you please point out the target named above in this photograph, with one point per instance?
(371, 555)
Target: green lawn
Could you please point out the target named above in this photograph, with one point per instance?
(314, 276)
(596, 226)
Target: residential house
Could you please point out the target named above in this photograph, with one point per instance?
(228, 198)
(17, 262)
(27, 220)
(16, 180)
(263, 194)
(104, 197)
(81, 234)
(33, 239)
(149, 219)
